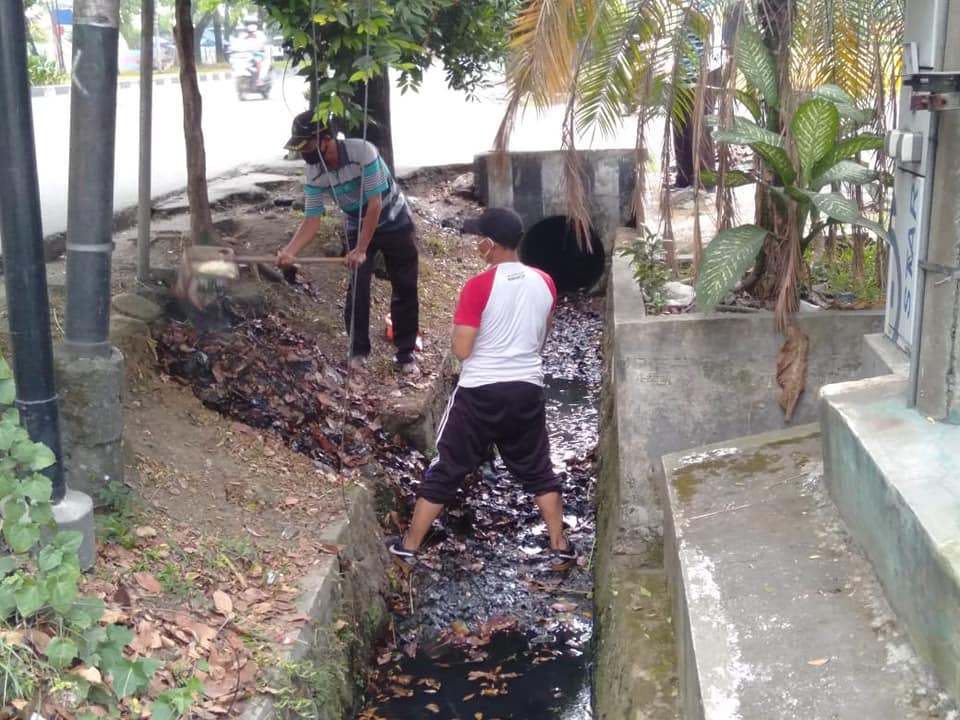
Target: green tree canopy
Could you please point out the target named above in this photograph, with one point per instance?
(344, 43)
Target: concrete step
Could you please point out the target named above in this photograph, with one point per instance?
(895, 476)
(777, 613)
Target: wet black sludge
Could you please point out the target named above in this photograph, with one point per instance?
(482, 629)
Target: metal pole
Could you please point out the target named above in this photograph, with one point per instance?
(93, 121)
(22, 241)
(146, 134)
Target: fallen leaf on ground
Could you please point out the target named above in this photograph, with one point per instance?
(222, 602)
(39, 639)
(90, 674)
(818, 662)
(433, 707)
(145, 531)
(148, 582)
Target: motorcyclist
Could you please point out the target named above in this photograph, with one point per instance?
(254, 43)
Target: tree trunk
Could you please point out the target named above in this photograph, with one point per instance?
(218, 37)
(775, 17)
(202, 24)
(379, 131)
(201, 220)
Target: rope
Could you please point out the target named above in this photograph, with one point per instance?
(355, 272)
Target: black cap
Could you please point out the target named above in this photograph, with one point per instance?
(502, 225)
(305, 128)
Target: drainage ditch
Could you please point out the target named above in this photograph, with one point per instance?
(482, 628)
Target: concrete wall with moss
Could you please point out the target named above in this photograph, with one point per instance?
(323, 674)
(675, 382)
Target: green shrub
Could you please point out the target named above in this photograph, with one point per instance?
(44, 72)
(647, 259)
(39, 592)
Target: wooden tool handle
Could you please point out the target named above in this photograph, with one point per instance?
(302, 260)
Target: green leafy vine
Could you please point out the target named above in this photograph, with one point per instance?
(52, 642)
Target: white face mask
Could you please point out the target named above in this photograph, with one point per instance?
(484, 248)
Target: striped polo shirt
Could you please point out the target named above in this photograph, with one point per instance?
(362, 175)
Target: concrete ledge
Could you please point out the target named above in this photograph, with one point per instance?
(882, 356)
(687, 380)
(894, 476)
(341, 587)
(670, 383)
(777, 615)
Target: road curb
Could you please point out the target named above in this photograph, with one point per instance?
(348, 587)
(51, 90)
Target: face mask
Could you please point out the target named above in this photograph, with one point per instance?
(312, 157)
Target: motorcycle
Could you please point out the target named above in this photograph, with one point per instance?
(252, 73)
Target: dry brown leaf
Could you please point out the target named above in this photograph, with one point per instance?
(482, 675)
(792, 368)
(13, 637)
(147, 638)
(222, 602)
(145, 531)
(563, 607)
(90, 674)
(39, 639)
(433, 707)
(112, 616)
(818, 662)
(148, 582)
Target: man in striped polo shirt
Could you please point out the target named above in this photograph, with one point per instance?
(351, 174)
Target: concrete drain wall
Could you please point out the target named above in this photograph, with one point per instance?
(673, 383)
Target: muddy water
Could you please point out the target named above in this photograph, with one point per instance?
(482, 628)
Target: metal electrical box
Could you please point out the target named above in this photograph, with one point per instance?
(912, 145)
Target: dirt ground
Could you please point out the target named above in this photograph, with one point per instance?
(207, 471)
(200, 551)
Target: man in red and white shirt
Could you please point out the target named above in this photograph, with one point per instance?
(499, 329)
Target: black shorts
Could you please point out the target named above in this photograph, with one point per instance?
(511, 415)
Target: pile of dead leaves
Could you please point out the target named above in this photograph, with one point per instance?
(263, 374)
(204, 612)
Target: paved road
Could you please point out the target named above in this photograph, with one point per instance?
(435, 126)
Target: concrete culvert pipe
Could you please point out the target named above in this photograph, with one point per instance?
(551, 245)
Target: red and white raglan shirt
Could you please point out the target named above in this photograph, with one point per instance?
(511, 304)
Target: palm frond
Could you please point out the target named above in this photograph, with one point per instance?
(544, 47)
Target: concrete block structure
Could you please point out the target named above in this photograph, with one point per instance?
(532, 184)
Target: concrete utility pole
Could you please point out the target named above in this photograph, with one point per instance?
(146, 136)
(89, 368)
(923, 298)
(939, 353)
(93, 122)
(25, 274)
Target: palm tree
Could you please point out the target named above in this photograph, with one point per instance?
(609, 58)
